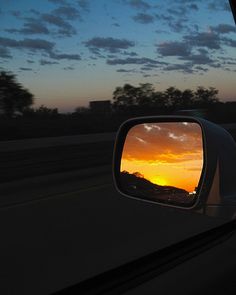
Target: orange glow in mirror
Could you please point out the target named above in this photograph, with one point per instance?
(168, 155)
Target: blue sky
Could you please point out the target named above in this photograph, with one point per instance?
(69, 52)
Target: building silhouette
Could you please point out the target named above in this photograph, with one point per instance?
(100, 106)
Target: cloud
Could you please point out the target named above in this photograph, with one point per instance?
(133, 60)
(115, 25)
(231, 63)
(186, 68)
(4, 53)
(188, 1)
(32, 44)
(193, 6)
(65, 28)
(125, 71)
(178, 11)
(159, 31)
(210, 40)
(224, 29)
(177, 24)
(183, 50)
(54, 20)
(139, 4)
(164, 17)
(229, 42)
(59, 56)
(26, 69)
(202, 51)
(111, 56)
(143, 18)
(57, 1)
(219, 5)
(37, 45)
(148, 68)
(44, 62)
(216, 65)
(228, 60)
(59, 17)
(68, 12)
(173, 48)
(32, 26)
(34, 11)
(84, 4)
(132, 53)
(201, 69)
(199, 59)
(69, 68)
(16, 13)
(108, 44)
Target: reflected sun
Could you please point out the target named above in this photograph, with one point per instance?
(158, 180)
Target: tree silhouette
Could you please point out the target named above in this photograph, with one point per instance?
(13, 97)
(43, 111)
(173, 97)
(82, 110)
(204, 97)
(124, 97)
(145, 96)
(187, 97)
(128, 96)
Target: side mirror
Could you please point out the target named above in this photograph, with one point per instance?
(183, 162)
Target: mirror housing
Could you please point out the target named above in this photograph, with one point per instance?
(216, 194)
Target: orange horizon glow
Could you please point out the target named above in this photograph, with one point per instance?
(168, 154)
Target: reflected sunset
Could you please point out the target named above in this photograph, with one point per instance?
(167, 154)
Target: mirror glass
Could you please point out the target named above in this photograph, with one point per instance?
(163, 162)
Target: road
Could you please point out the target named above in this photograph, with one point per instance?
(60, 228)
(52, 242)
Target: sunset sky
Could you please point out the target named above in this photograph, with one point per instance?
(165, 153)
(69, 52)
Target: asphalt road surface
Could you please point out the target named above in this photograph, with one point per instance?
(49, 243)
(59, 227)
